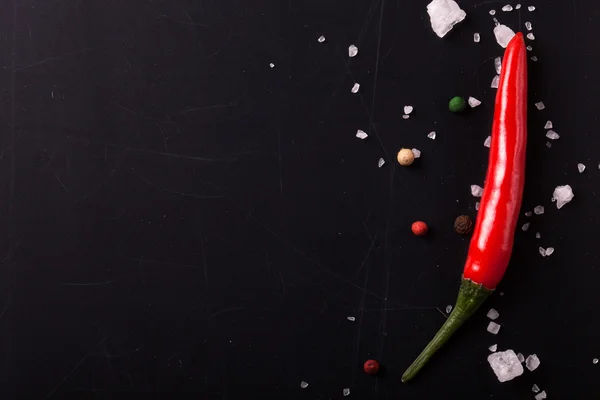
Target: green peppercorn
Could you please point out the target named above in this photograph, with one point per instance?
(457, 104)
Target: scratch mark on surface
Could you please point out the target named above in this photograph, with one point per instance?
(225, 43)
(280, 162)
(180, 21)
(61, 184)
(45, 60)
(204, 263)
(192, 195)
(280, 277)
(226, 310)
(158, 262)
(179, 156)
(84, 284)
(141, 115)
(212, 107)
(75, 368)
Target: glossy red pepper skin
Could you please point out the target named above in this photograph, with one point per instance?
(492, 241)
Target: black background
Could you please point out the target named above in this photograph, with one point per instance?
(180, 220)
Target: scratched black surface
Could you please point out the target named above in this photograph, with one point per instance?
(180, 220)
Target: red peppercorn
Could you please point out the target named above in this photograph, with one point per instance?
(419, 228)
(371, 367)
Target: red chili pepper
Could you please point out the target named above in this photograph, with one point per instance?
(492, 241)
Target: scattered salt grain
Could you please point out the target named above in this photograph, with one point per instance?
(538, 210)
(562, 195)
(492, 12)
(534, 58)
(580, 167)
(380, 162)
(271, 65)
(431, 135)
(507, 7)
(408, 109)
(361, 134)
(535, 388)
(528, 25)
(532, 362)
(493, 328)
(448, 309)
(537, 235)
(351, 319)
(505, 365)
(493, 348)
(525, 226)
(443, 15)
(541, 395)
(595, 361)
(530, 36)
(488, 141)
(477, 206)
(531, 8)
(518, 6)
(493, 314)
(321, 39)
(476, 37)
(520, 357)
(548, 144)
(473, 102)
(405, 116)
(498, 64)
(303, 385)
(552, 135)
(352, 51)
(540, 105)
(503, 34)
(529, 48)
(355, 88)
(476, 190)
(548, 125)
(346, 392)
(416, 152)
(549, 251)
(542, 251)
(528, 213)
(495, 82)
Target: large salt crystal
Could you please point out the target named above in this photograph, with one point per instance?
(431, 135)
(580, 167)
(507, 7)
(520, 357)
(548, 125)
(505, 364)
(488, 141)
(473, 102)
(476, 190)
(408, 109)
(380, 162)
(541, 395)
(503, 34)
(525, 226)
(538, 210)
(303, 385)
(321, 39)
(346, 392)
(552, 135)
(495, 82)
(448, 308)
(361, 134)
(532, 362)
(492, 12)
(493, 314)
(351, 318)
(531, 8)
(549, 251)
(498, 64)
(352, 51)
(542, 251)
(476, 37)
(540, 105)
(535, 388)
(416, 153)
(528, 25)
(530, 36)
(493, 328)
(562, 195)
(493, 348)
(444, 14)
(355, 88)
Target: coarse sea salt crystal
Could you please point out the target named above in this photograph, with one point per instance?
(352, 51)
(488, 141)
(346, 392)
(548, 125)
(476, 190)
(541, 395)
(321, 39)
(530, 36)
(531, 8)
(532, 362)
(507, 7)
(534, 58)
(518, 6)
(417, 153)
(525, 226)
(443, 15)
(535, 388)
(540, 105)
(580, 167)
(431, 135)
(495, 82)
(271, 65)
(528, 25)
(498, 64)
(538, 210)
(476, 37)
(505, 364)
(549, 251)
(351, 318)
(448, 309)
(552, 135)
(493, 328)
(493, 348)
(355, 88)
(477, 206)
(493, 314)
(595, 361)
(492, 12)
(361, 134)
(380, 162)
(537, 235)
(303, 385)
(520, 357)
(503, 34)
(408, 109)
(473, 102)
(562, 195)
(406, 116)
(528, 213)
(529, 48)
(542, 251)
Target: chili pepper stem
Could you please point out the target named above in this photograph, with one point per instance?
(470, 296)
